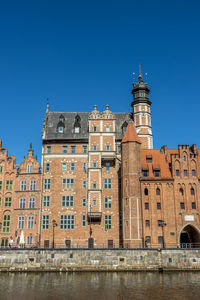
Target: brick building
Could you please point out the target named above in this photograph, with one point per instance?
(102, 184)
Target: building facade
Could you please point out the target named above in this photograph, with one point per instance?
(101, 184)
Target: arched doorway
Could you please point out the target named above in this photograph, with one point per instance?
(189, 237)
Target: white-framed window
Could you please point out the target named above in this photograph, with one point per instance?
(107, 183)
(67, 222)
(29, 240)
(107, 147)
(21, 222)
(29, 169)
(72, 166)
(76, 129)
(68, 201)
(23, 185)
(94, 164)
(46, 201)
(108, 222)
(94, 147)
(108, 202)
(64, 167)
(94, 128)
(47, 184)
(107, 128)
(60, 129)
(32, 185)
(22, 203)
(45, 222)
(31, 203)
(30, 222)
(68, 183)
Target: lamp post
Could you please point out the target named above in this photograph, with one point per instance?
(163, 224)
(54, 225)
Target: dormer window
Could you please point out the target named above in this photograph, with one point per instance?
(76, 129)
(124, 126)
(29, 169)
(62, 119)
(60, 129)
(77, 124)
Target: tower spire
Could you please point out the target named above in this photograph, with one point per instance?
(140, 74)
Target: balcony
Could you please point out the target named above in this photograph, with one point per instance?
(94, 217)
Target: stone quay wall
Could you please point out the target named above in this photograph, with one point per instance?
(66, 260)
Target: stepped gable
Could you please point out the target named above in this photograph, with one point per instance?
(131, 135)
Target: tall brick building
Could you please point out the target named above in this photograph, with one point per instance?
(102, 184)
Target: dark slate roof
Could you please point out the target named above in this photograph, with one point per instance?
(68, 134)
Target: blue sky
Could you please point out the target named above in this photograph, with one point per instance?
(78, 53)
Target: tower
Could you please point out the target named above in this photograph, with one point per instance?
(131, 193)
(142, 111)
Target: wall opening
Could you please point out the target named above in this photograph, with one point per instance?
(189, 237)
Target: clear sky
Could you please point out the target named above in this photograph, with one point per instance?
(78, 53)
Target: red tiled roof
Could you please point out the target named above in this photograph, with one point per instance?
(131, 135)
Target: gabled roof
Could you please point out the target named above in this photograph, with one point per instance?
(131, 135)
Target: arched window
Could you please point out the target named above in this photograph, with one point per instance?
(181, 191)
(146, 192)
(77, 124)
(158, 192)
(124, 126)
(192, 191)
(62, 119)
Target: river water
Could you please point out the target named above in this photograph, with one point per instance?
(106, 286)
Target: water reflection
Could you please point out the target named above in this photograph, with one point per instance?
(99, 286)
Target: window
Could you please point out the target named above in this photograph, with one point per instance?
(67, 200)
(108, 222)
(148, 239)
(107, 183)
(158, 192)
(22, 203)
(8, 201)
(94, 186)
(23, 185)
(72, 166)
(185, 172)
(0, 185)
(67, 222)
(94, 202)
(145, 173)
(60, 129)
(192, 191)
(64, 149)
(94, 147)
(73, 149)
(21, 222)
(30, 222)
(29, 240)
(64, 167)
(9, 185)
(123, 129)
(193, 205)
(46, 201)
(107, 128)
(31, 203)
(84, 184)
(68, 183)
(1, 169)
(177, 173)
(160, 222)
(193, 173)
(48, 149)
(83, 202)
(160, 240)
(32, 185)
(181, 192)
(29, 169)
(76, 129)
(147, 223)
(146, 192)
(94, 164)
(84, 167)
(83, 220)
(4, 243)
(47, 167)
(107, 147)
(94, 128)
(108, 202)
(118, 149)
(182, 205)
(146, 205)
(84, 149)
(158, 205)
(156, 173)
(47, 184)
(6, 223)
(107, 166)
(149, 159)
(45, 222)
(184, 158)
